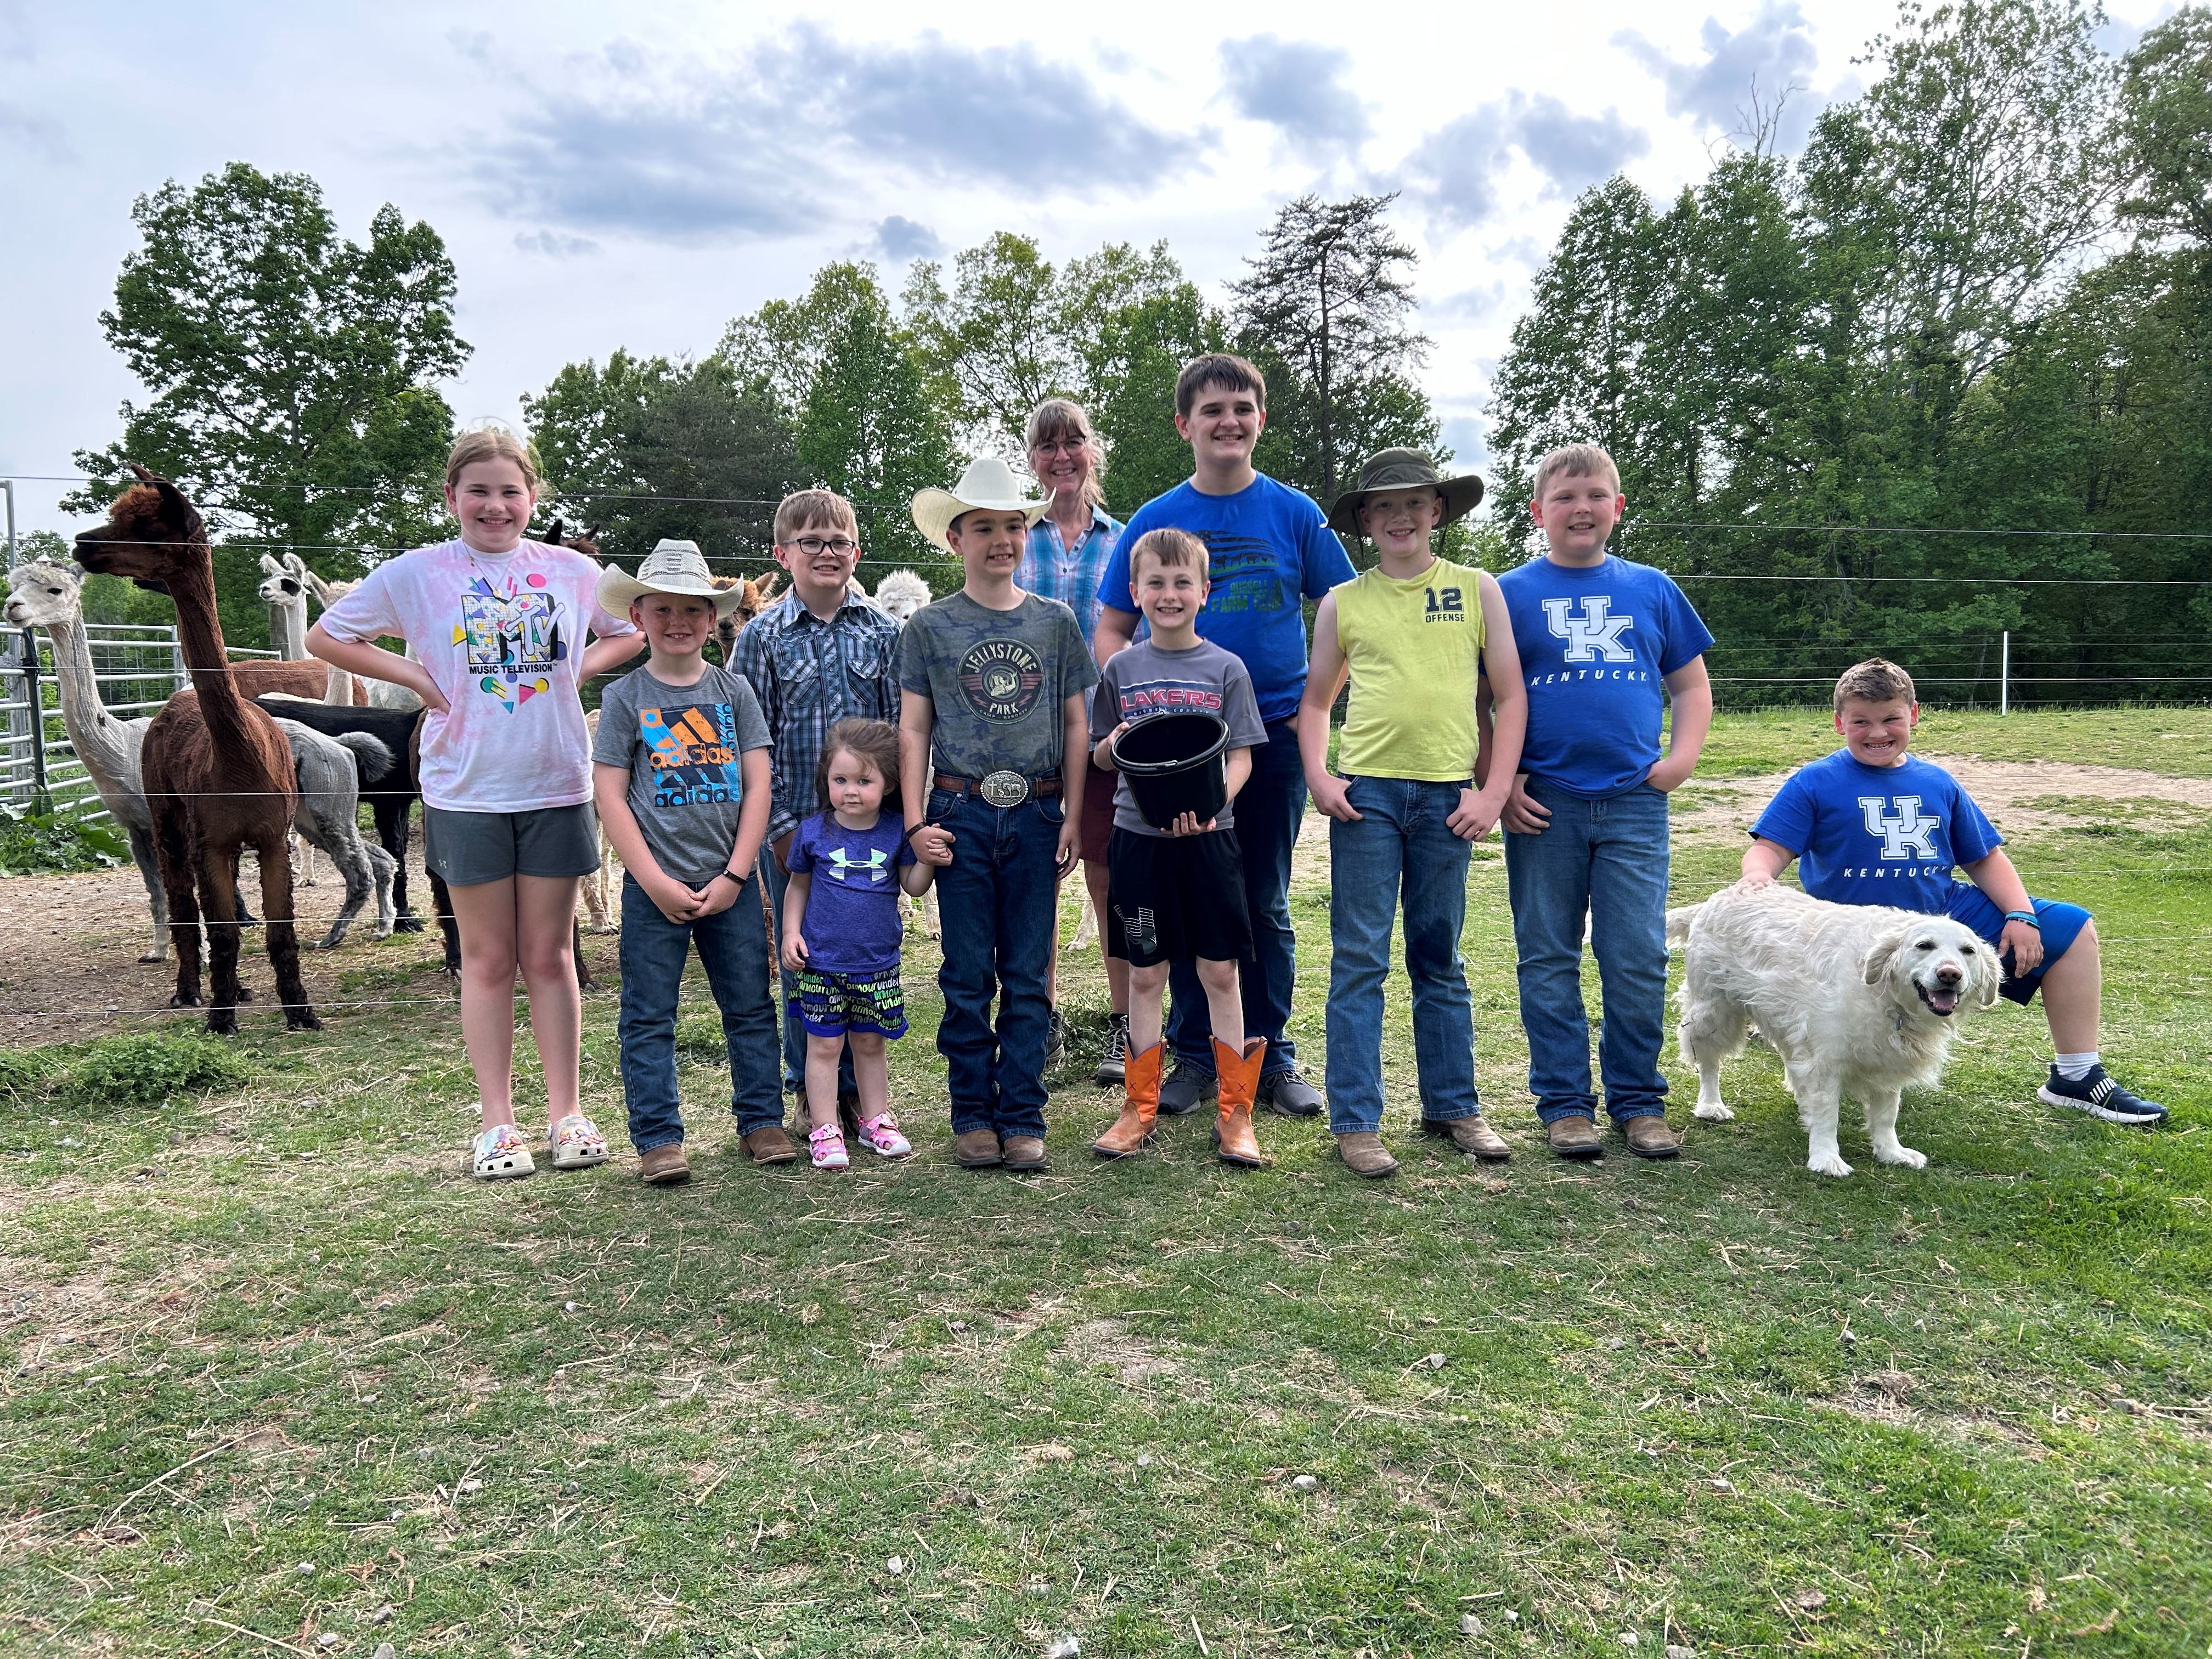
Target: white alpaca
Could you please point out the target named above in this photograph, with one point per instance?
(284, 589)
(370, 693)
(901, 593)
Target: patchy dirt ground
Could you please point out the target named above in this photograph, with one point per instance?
(70, 948)
(2018, 797)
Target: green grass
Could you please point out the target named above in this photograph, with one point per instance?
(1723, 1403)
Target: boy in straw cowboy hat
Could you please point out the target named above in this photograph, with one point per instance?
(680, 771)
(1416, 786)
(992, 679)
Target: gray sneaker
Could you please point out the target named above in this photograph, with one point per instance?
(1287, 1094)
(1114, 1064)
(1185, 1089)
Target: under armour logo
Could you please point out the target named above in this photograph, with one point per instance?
(1597, 633)
(872, 865)
(1905, 833)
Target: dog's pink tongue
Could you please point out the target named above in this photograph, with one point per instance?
(1945, 1000)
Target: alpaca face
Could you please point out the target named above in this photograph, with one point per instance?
(758, 591)
(281, 584)
(43, 593)
(901, 593)
(152, 533)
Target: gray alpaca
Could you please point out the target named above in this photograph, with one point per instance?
(330, 771)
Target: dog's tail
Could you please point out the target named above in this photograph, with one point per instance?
(1678, 922)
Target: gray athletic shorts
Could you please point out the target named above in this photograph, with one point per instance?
(467, 848)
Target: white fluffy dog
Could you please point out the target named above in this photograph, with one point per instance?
(1858, 1000)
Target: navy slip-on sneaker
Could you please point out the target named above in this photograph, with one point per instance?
(2100, 1096)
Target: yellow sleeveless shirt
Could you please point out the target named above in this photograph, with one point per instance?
(1415, 647)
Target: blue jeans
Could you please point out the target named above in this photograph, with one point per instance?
(1268, 808)
(733, 949)
(794, 1032)
(1607, 859)
(996, 901)
(1402, 845)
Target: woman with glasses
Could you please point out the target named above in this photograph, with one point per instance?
(1067, 553)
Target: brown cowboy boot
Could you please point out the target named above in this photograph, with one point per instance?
(1239, 1081)
(1141, 1105)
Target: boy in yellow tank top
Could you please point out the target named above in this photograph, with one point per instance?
(1413, 790)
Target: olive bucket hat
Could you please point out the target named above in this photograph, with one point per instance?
(1403, 469)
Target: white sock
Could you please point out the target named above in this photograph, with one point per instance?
(2075, 1067)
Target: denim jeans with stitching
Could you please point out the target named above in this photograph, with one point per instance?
(1608, 859)
(996, 901)
(1268, 810)
(1401, 854)
(732, 947)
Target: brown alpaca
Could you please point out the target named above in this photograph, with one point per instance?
(218, 773)
(759, 591)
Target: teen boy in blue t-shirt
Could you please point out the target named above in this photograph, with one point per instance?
(1599, 638)
(1269, 550)
(1871, 825)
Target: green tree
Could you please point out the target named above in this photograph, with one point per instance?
(645, 449)
(2165, 122)
(870, 430)
(997, 342)
(291, 372)
(783, 343)
(1327, 304)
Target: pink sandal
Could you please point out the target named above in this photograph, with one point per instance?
(881, 1133)
(827, 1144)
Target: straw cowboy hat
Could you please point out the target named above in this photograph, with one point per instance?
(1402, 469)
(988, 486)
(671, 567)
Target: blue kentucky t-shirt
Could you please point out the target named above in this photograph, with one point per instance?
(1878, 834)
(1596, 643)
(852, 924)
(1268, 548)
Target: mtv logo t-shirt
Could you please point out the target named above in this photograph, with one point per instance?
(682, 746)
(1596, 646)
(1877, 835)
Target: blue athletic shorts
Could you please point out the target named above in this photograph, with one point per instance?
(829, 1005)
(2062, 924)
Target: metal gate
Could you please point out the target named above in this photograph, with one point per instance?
(138, 667)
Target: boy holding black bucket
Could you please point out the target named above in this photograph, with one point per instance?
(1177, 892)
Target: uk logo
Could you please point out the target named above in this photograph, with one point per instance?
(1595, 635)
(1906, 832)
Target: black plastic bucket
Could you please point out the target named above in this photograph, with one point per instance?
(1174, 765)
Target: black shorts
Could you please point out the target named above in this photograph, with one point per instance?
(467, 849)
(1176, 898)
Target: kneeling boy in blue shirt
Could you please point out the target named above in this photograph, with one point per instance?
(1871, 825)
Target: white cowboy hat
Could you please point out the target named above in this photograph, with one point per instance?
(671, 567)
(988, 486)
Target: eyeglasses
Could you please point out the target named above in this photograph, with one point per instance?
(1061, 446)
(814, 546)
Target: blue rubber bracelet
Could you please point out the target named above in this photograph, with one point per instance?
(2027, 916)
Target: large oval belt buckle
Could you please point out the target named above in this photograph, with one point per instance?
(1004, 788)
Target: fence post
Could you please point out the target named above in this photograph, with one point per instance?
(42, 799)
(2004, 674)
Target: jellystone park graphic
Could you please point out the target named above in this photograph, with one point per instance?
(514, 639)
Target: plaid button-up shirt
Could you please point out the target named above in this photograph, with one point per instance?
(808, 675)
(1052, 570)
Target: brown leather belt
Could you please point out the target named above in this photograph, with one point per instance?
(1001, 788)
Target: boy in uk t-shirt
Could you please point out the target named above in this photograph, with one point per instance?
(1871, 825)
(1599, 638)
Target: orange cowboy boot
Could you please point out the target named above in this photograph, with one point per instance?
(1140, 1106)
(1239, 1081)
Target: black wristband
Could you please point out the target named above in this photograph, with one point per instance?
(732, 874)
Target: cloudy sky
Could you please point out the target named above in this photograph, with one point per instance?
(636, 175)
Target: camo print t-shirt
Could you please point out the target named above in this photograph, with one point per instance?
(502, 634)
(852, 924)
(998, 679)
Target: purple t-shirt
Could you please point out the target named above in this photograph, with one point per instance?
(852, 924)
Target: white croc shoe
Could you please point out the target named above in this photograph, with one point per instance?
(499, 1153)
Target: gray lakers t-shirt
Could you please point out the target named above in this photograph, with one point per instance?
(1144, 681)
(998, 679)
(680, 744)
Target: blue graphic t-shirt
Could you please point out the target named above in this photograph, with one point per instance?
(1878, 834)
(1595, 645)
(853, 924)
(682, 746)
(1268, 549)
